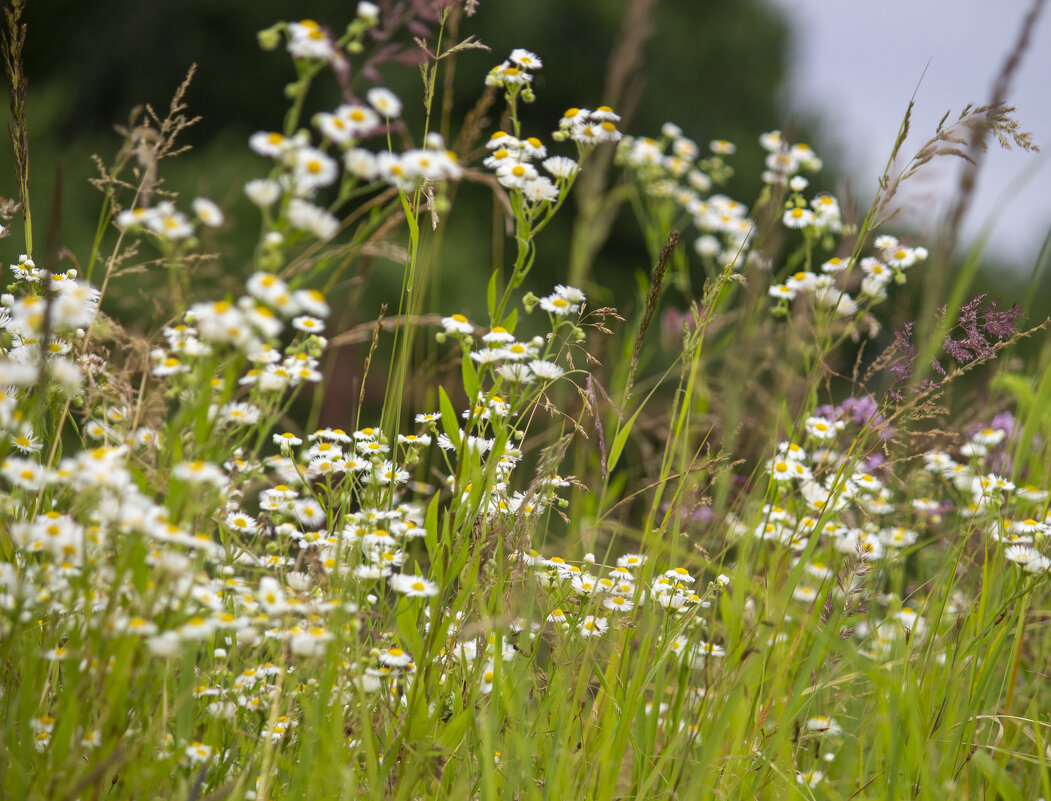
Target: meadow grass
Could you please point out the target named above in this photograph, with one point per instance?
(770, 543)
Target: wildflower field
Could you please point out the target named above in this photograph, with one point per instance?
(775, 528)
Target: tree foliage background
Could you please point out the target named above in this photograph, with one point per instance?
(89, 65)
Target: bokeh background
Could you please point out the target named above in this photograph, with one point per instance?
(838, 75)
(855, 65)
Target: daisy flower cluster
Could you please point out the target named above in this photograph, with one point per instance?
(785, 161)
(43, 320)
(514, 158)
(588, 127)
(784, 164)
(830, 287)
(302, 169)
(676, 178)
(509, 378)
(309, 41)
(250, 327)
(827, 289)
(308, 163)
(169, 225)
(583, 602)
(1013, 517)
(515, 74)
(519, 368)
(840, 518)
(627, 586)
(349, 470)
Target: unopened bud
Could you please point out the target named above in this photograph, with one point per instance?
(270, 38)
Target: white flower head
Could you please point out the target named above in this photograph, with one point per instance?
(545, 370)
(367, 11)
(263, 192)
(525, 59)
(558, 304)
(592, 626)
(412, 586)
(312, 219)
(385, 102)
(457, 324)
(207, 212)
(307, 40)
(798, 218)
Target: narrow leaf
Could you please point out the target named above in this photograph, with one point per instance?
(449, 423)
(619, 441)
(470, 377)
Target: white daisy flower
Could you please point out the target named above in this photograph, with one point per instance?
(412, 586)
(385, 102)
(548, 371)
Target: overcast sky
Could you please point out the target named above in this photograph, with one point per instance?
(857, 62)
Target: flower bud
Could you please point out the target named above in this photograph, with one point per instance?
(270, 38)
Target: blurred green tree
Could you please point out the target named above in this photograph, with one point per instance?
(716, 69)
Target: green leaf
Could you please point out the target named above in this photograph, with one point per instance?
(619, 441)
(410, 218)
(430, 525)
(458, 560)
(470, 377)
(1020, 388)
(490, 295)
(408, 626)
(449, 423)
(1000, 782)
(453, 731)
